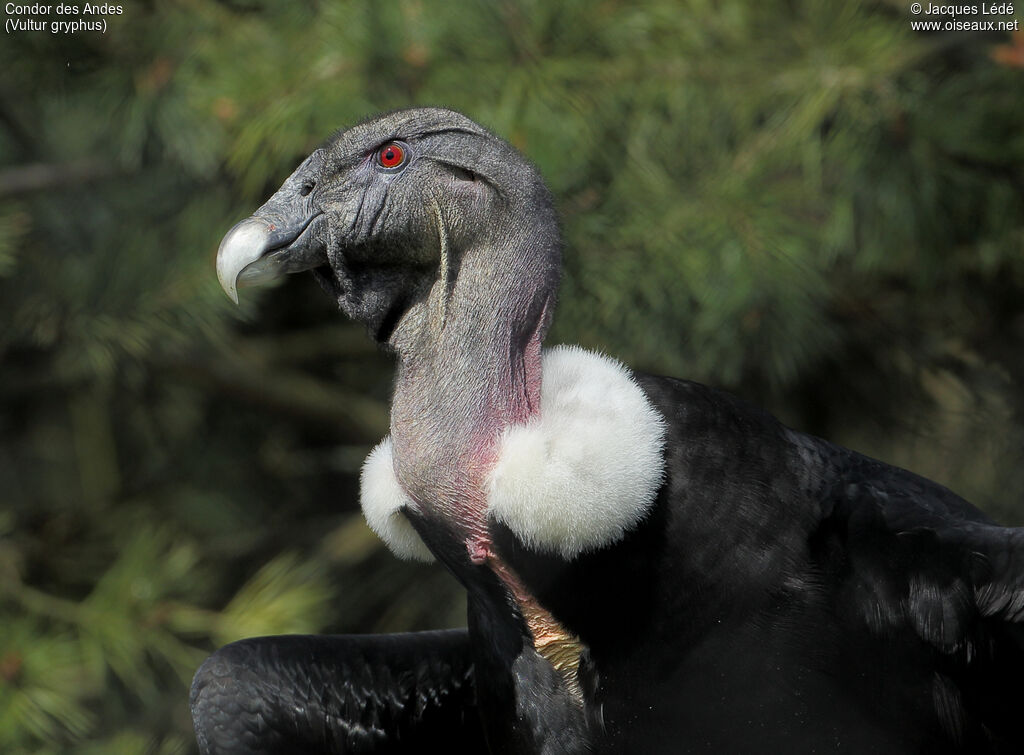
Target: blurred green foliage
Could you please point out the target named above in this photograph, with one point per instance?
(804, 202)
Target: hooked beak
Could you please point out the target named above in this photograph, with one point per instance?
(285, 235)
(256, 251)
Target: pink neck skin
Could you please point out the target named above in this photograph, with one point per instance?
(452, 401)
(453, 397)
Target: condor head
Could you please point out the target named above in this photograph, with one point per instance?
(382, 213)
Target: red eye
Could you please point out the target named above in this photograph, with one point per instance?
(391, 155)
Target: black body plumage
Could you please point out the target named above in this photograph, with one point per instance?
(781, 594)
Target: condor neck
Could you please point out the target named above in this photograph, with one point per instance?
(471, 368)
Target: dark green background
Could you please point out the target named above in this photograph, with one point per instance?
(806, 203)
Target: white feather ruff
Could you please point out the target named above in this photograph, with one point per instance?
(383, 498)
(574, 479)
(587, 470)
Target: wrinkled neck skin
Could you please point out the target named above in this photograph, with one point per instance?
(469, 364)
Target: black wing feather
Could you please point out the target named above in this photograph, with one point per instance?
(349, 694)
(921, 561)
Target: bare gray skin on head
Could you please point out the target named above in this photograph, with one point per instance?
(451, 259)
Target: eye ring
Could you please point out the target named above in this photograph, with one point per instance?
(392, 156)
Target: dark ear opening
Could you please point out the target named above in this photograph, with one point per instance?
(462, 174)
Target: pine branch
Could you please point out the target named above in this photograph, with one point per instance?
(25, 179)
(18, 131)
(299, 396)
(294, 347)
(43, 604)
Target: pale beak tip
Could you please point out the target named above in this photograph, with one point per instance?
(228, 283)
(243, 245)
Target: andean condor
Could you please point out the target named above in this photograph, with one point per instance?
(652, 566)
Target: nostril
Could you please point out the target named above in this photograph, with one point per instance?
(307, 187)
